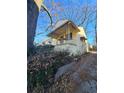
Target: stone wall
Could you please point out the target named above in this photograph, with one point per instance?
(73, 47)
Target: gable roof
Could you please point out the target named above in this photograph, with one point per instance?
(59, 24)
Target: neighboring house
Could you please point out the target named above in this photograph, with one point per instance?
(66, 36)
(48, 41)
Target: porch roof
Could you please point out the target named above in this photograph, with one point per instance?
(59, 25)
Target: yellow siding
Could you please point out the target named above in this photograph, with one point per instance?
(82, 32)
(75, 32)
(69, 30)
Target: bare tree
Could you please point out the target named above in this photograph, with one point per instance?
(82, 16)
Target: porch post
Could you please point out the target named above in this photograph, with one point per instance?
(68, 30)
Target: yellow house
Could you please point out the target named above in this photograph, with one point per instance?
(67, 36)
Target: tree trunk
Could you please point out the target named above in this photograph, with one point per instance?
(32, 16)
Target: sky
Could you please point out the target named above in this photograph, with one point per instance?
(44, 21)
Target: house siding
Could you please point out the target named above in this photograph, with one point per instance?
(74, 45)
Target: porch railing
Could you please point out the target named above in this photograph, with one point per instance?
(70, 42)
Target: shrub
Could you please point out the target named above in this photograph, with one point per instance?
(42, 66)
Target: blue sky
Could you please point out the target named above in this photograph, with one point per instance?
(43, 20)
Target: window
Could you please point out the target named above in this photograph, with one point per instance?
(82, 39)
(69, 36)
